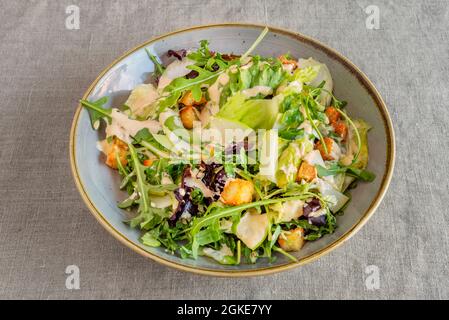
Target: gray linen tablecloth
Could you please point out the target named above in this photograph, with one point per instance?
(45, 226)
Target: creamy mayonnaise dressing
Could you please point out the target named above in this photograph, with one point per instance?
(289, 170)
(317, 213)
(176, 69)
(314, 158)
(336, 151)
(301, 151)
(213, 105)
(308, 128)
(124, 128)
(294, 86)
(254, 91)
(246, 66)
(168, 114)
(215, 89)
(288, 67)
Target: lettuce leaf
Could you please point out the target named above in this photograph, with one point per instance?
(260, 73)
(290, 159)
(363, 128)
(291, 117)
(323, 75)
(307, 74)
(255, 113)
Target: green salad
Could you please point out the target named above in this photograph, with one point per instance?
(233, 157)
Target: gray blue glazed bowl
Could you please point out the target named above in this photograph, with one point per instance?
(98, 184)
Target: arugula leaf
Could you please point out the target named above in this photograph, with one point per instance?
(202, 55)
(303, 223)
(158, 66)
(216, 63)
(308, 103)
(162, 232)
(182, 84)
(363, 175)
(329, 227)
(145, 220)
(334, 169)
(175, 170)
(216, 212)
(143, 134)
(331, 171)
(168, 101)
(229, 168)
(148, 239)
(205, 76)
(155, 171)
(206, 236)
(96, 111)
(161, 189)
(275, 235)
(291, 134)
(250, 255)
(142, 186)
(146, 139)
(291, 117)
(197, 196)
(340, 104)
(288, 255)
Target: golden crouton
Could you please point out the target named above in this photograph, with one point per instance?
(188, 116)
(292, 240)
(329, 145)
(341, 129)
(116, 146)
(237, 191)
(230, 57)
(332, 114)
(306, 172)
(187, 99)
(284, 60)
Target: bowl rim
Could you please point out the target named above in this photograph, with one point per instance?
(332, 53)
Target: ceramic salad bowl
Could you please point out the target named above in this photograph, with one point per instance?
(98, 184)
